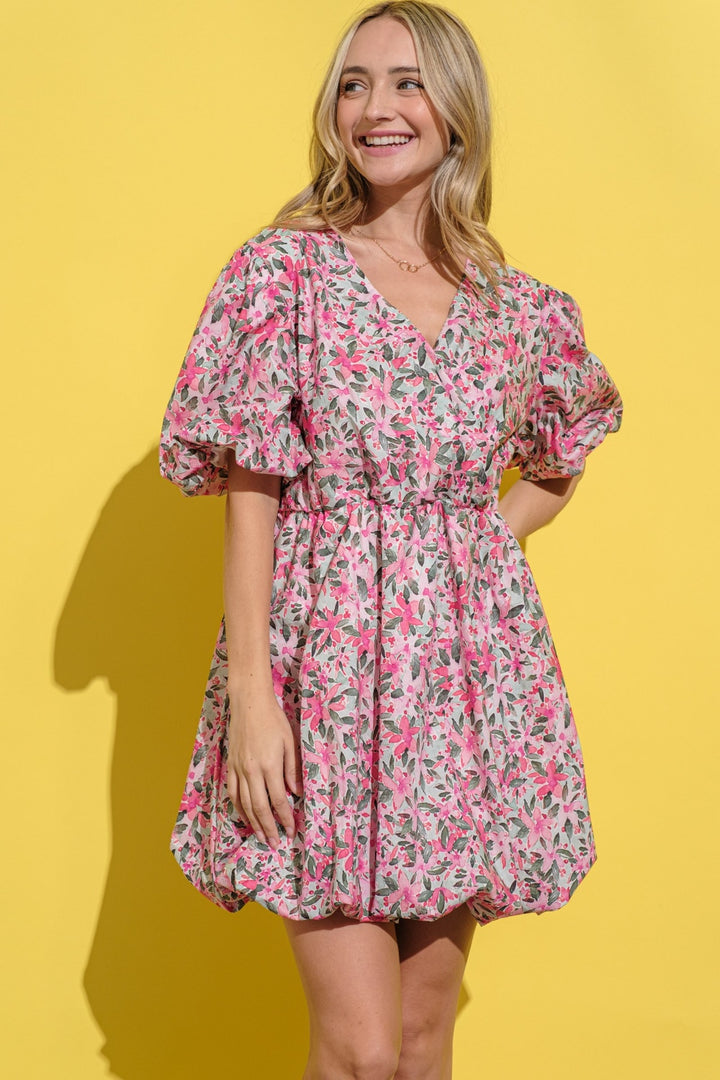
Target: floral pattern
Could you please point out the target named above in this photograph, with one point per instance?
(410, 650)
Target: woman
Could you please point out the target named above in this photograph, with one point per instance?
(398, 762)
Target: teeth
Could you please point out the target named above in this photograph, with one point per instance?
(386, 140)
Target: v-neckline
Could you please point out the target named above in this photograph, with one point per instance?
(379, 298)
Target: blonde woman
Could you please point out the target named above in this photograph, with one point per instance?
(386, 756)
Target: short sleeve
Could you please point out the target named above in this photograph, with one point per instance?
(574, 403)
(238, 386)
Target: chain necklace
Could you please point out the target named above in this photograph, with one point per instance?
(411, 268)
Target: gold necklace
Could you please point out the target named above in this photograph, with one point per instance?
(412, 268)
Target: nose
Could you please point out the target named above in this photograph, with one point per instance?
(379, 105)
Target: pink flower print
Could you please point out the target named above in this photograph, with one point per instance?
(552, 781)
(336, 461)
(406, 610)
(192, 798)
(471, 750)
(326, 624)
(521, 321)
(291, 275)
(365, 643)
(456, 857)
(405, 893)
(326, 319)
(518, 663)
(394, 667)
(323, 755)
(539, 827)
(497, 542)
(178, 415)
(380, 395)
(486, 660)
(191, 373)
(511, 347)
(346, 850)
(314, 711)
(404, 738)
(405, 567)
(344, 590)
(472, 694)
(384, 324)
(440, 898)
(402, 787)
(583, 862)
(314, 425)
(461, 599)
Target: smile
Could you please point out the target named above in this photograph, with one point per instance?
(385, 140)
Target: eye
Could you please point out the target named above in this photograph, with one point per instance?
(414, 84)
(347, 87)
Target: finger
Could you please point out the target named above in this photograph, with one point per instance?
(261, 809)
(248, 810)
(280, 804)
(232, 790)
(293, 769)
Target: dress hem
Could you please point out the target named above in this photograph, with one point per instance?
(241, 901)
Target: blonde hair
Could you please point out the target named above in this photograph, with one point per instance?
(461, 191)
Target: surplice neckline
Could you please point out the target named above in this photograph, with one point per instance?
(379, 298)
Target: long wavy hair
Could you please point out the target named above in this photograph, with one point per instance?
(460, 194)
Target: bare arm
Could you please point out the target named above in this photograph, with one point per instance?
(250, 512)
(530, 504)
(261, 747)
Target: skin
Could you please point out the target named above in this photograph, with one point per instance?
(382, 997)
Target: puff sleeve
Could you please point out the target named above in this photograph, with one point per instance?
(239, 381)
(574, 403)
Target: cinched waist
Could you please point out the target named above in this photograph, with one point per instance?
(360, 499)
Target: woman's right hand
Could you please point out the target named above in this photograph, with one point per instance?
(262, 759)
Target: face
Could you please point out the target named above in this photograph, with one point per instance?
(390, 130)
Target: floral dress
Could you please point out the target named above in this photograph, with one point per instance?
(409, 647)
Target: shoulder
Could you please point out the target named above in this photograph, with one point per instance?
(545, 300)
(273, 246)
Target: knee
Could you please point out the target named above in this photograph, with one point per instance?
(425, 1047)
(371, 1060)
(379, 1063)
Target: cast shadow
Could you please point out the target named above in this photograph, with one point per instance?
(178, 986)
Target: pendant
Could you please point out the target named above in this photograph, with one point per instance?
(410, 267)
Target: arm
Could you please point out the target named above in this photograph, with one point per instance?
(261, 747)
(530, 504)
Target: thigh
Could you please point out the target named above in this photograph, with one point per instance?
(350, 972)
(433, 956)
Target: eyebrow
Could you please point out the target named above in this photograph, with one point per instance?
(357, 70)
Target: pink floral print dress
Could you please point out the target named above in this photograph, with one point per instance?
(409, 646)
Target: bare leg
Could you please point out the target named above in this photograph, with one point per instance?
(432, 961)
(350, 972)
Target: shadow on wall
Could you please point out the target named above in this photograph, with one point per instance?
(178, 986)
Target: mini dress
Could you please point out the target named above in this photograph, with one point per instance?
(409, 647)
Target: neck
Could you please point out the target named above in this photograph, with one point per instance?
(398, 219)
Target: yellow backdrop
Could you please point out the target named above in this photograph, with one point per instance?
(147, 140)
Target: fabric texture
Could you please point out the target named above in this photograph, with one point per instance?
(409, 646)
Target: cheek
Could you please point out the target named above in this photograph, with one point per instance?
(344, 118)
(426, 122)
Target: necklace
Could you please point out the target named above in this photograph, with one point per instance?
(412, 268)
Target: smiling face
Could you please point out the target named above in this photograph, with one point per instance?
(390, 130)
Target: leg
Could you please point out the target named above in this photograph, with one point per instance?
(432, 962)
(350, 972)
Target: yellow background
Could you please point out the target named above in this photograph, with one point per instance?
(145, 142)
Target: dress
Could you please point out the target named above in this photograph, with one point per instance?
(409, 646)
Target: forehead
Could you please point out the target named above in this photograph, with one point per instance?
(380, 41)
